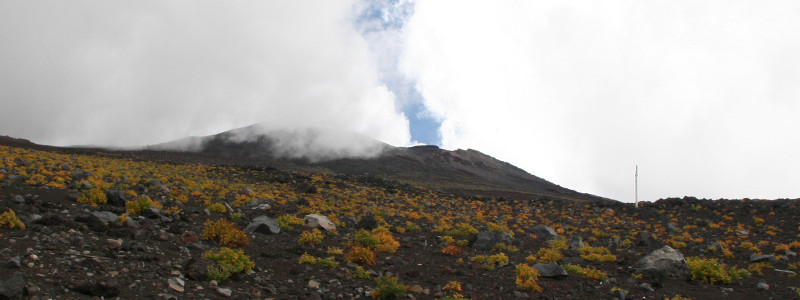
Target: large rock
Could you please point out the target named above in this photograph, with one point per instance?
(12, 288)
(550, 270)
(486, 240)
(106, 216)
(314, 220)
(263, 224)
(544, 232)
(663, 263)
(116, 197)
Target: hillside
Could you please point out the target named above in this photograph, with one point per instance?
(467, 172)
(85, 224)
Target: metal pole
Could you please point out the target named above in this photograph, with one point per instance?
(636, 186)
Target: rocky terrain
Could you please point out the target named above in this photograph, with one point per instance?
(91, 224)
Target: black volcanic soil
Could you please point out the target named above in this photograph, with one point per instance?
(66, 253)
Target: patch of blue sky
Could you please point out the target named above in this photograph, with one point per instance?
(387, 17)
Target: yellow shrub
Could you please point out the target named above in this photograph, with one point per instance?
(526, 278)
(9, 218)
(311, 237)
(601, 254)
(360, 255)
(141, 204)
(225, 232)
(452, 286)
(94, 197)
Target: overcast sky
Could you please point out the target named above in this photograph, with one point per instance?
(703, 95)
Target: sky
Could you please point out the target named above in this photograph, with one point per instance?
(702, 95)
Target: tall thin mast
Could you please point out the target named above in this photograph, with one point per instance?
(636, 186)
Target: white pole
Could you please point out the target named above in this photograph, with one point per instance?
(636, 186)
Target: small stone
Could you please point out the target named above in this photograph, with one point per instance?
(224, 291)
(19, 199)
(176, 283)
(762, 286)
(646, 286)
(114, 243)
(313, 284)
(188, 237)
(416, 289)
(113, 273)
(213, 283)
(34, 257)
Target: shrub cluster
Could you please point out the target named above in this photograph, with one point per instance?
(225, 232)
(139, 205)
(228, 261)
(9, 219)
(388, 288)
(526, 278)
(710, 271)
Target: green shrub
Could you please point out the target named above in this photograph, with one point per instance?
(388, 288)
(139, 205)
(311, 237)
(708, 270)
(217, 208)
(288, 221)
(95, 196)
(228, 261)
(587, 272)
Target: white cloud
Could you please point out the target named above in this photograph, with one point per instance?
(702, 95)
(119, 73)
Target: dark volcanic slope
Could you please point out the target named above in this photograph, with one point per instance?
(467, 172)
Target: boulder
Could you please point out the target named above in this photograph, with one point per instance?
(663, 263)
(486, 240)
(116, 197)
(761, 258)
(575, 243)
(314, 220)
(550, 270)
(12, 288)
(544, 232)
(367, 222)
(106, 216)
(264, 225)
(644, 238)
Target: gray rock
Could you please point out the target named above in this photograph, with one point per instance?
(116, 197)
(486, 240)
(672, 227)
(315, 220)
(18, 199)
(264, 225)
(12, 288)
(663, 263)
(14, 263)
(575, 243)
(762, 286)
(106, 216)
(224, 291)
(646, 286)
(550, 270)
(716, 246)
(644, 238)
(760, 258)
(544, 232)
